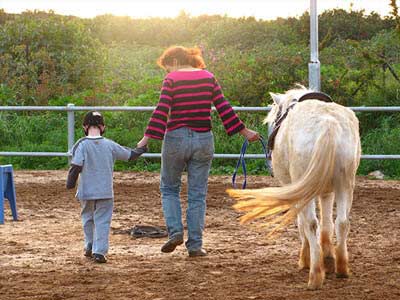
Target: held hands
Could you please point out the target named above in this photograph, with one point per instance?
(143, 142)
(249, 134)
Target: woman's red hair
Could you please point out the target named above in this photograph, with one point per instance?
(184, 56)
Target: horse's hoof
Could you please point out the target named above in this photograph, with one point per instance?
(329, 263)
(313, 287)
(316, 280)
(342, 275)
(303, 266)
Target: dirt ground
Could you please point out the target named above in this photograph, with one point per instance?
(41, 256)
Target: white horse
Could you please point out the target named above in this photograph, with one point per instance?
(316, 156)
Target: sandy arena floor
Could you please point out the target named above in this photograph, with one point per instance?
(41, 256)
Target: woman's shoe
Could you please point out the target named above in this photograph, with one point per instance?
(99, 258)
(88, 251)
(197, 253)
(171, 244)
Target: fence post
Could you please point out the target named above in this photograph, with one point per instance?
(314, 68)
(71, 128)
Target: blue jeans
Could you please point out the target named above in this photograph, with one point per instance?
(96, 220)
(194, 150)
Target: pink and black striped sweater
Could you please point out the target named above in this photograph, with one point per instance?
(185, 101)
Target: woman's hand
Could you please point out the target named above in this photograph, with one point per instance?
(249, 134)
(143, 142)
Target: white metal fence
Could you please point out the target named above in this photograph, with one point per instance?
(70, 109)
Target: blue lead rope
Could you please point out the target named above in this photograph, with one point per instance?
(242, 162)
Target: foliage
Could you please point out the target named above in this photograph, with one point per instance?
(48, 59)
(44, 56)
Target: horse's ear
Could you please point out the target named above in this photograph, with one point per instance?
(276, 98)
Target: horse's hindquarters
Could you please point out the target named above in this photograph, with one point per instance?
(317, 151)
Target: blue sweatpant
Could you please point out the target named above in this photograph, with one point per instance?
(96, 220)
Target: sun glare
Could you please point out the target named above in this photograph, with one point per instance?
(263, 9)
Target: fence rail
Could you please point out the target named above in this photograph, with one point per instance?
(70, 109)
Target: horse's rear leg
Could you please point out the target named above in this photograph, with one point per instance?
(311, 229)
(304, 260)
(327, 227)
(344, 199)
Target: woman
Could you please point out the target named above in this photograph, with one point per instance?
(184, 113)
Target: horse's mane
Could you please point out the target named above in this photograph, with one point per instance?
(286, 99)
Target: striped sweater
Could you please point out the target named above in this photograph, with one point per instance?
(185, 101)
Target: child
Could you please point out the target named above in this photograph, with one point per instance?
(184, 113)
(93, 158)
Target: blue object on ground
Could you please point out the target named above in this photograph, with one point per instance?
(7, 190)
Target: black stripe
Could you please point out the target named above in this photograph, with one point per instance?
(236, 130)
(220, 101)
(158, 116)
(228, 115)
(221, 109)
(156, 133)
(167, 93)
(158, 125)
(166, 101)
(198, 123)
(193, 98)
(194, 114)
(217, 93)
(193, 82)
(202, 89)
(232, 123)
(163, 108)
(193, 106)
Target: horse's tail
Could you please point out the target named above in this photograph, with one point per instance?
(280, 205)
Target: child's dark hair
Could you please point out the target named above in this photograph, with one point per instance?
(183, 56)
(93, 118)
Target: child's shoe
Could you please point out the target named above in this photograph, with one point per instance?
(99, 258)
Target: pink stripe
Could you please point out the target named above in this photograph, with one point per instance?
(195, 75)
(160, 112)
(234, 127)
(193, 86)
(192, 103)
(226, 112)
(230, 119)
(167, 88)
(217, 88)
(155, 129)
(223, 103)
(163, 96)
(193, 95)
(158, 121)
(188, 111)
(191, 119)
(218, 97)
(153, 136)
(163, 104)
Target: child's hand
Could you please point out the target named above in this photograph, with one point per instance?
(143, 142)
(138, 151)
